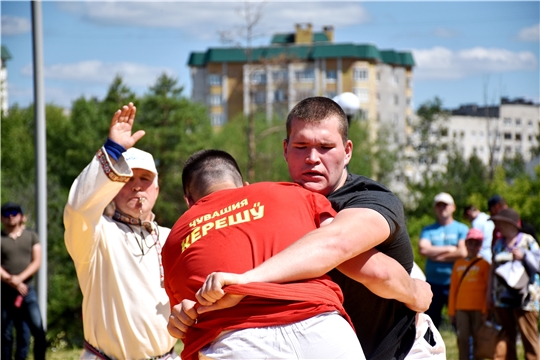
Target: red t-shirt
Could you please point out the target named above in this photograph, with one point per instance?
(234, 231)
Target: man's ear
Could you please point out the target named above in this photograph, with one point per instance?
(189, 201)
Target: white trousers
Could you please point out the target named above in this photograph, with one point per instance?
(325, 336)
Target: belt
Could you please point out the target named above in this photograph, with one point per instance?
(101, 355)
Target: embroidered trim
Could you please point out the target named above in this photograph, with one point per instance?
(126, 219)
(102, 158)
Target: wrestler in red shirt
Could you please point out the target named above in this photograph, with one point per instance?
(234, 230)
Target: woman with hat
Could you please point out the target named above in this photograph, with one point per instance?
(515, 284)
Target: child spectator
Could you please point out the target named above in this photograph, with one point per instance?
(467, 298)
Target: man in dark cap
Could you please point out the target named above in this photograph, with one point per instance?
(20, 259)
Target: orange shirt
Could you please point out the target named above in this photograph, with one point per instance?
(471, 294)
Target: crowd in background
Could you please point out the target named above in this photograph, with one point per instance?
(487, 272)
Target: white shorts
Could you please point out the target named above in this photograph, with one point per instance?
(325, 336)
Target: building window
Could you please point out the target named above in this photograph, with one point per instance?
(530, 123)
(396, 119)
(217, 119)
(462, 134)
(214, 99)
(518, 122)
(408, 102)
(481, 133)
(517, 137)
(280, 76)
(396, 100)
(530, 138)
(409, 82)
(378, 76)
(331, 94)
(518, 149)
(260, 97)
(507, 121)
(363, 94)
(331, 76)
(214, 79)
(360, 74)
(280, 95)
(481, 149)
(396, 79)
(306, 75)
(507, 150)
(258, 77)
(507, 136)
(302, 94)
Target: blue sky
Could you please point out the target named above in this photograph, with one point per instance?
(465, 52)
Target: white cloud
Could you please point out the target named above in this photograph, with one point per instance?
(13, 25)
(530, 33)
(95, 71)
(203, 19)
(442, 63)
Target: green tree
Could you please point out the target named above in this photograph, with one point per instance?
(175, 128)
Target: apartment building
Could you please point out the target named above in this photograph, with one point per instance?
(492, 132)
(297, 65)
(498, 131)
(5, 56)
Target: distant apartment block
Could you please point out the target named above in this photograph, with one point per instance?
(5, 55)
(492, 132)
(233, 81)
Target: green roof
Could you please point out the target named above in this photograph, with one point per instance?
(5, 53)
(307, 52)
(289, 38)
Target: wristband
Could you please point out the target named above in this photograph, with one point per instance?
(114, 149)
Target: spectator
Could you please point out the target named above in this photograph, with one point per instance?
(442, 243)
(20, 259)
(118, 259)
(496, 203)
(468, 289)
(516, 304)
(480, 220)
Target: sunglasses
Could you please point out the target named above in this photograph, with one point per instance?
(9, 213)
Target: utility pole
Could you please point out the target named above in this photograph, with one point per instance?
(41, 156)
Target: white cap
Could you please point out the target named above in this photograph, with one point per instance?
(444, 198)
(138, 159)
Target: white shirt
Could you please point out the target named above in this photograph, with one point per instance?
(125, 309)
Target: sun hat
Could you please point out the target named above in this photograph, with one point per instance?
(509, 216)
(139, 159)
(444, 198)
(475, 234)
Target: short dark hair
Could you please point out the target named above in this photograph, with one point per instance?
(469, 208)
(204, 168)
(494, 200)
(316, 109)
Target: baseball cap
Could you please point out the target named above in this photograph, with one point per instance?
(9, 206)
(494, 200)
(444, 198)
(139, 159)
(509, 216)
(475, 234)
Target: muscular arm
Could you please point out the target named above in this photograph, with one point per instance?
(386, 278)
(341, 245)
(323, 249)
